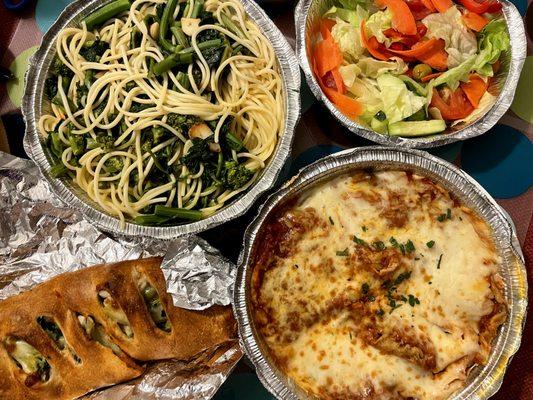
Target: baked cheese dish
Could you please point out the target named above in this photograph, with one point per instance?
(96, 327)
(377, 285)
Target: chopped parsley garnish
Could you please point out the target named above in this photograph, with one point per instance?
(350, 335)
(371, 298)
(331, 221)
(444, 217)
(364, 228)
(409, 247)
(413, 300)
(359, 241)
(379, 245)
(343, 253)
(380, 313)
(402, 277)
(296, 266)
(394, 242)
(365, 288)
(438, 263)
(430, 244)
(403, 298)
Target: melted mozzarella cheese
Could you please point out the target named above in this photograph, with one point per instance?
(382, 294)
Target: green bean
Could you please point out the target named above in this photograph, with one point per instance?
(198, 6)
(170, 62)
(237, 50)
(58, 170)
(105, 13)
(182, 57)
(228, 23)
(204, 46)
(168, 15)
(181, 213)
(183, 79)
(180, 36)
(234, 142)
(150, 220)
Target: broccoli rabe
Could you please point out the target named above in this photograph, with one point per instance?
(94, 50)
(198, 154)
(114, 164)
(81, 92)
(213, 56)
(182, 123)
(103, 140)
(77, 142)
(236, 175)
(58, 68)
(50, 87)
(209, 34)
(55, 145)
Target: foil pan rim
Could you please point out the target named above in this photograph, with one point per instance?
(489, 378)
(31, 106)
(492, 116)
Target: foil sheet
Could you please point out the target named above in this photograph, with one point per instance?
(41, 237)
(33, 106)
(307, 15)
(483, 381)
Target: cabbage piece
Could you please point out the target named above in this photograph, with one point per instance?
(353, 17)
(398, 102)
(363, 89)
(348, 38)
(460, 42)
(377, 23)
(372, 68)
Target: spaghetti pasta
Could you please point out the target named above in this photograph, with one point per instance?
(166, 107)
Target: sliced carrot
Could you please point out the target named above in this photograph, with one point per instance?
(373, 46)
(327, 56)
(348, 106)
(442, 5)
(474, 89)
(437, 58)
(474, 21)
(430, 52)
(326, 25)
(402, 17)
(419, 48)
(339, 83)
(429, 77)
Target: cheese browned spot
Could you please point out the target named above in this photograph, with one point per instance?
(396, 298)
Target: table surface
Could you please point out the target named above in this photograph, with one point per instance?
(500, 160)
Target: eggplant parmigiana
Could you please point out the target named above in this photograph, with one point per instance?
(377, 285)
(93, 328)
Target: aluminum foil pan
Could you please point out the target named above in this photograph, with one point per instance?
(484, 381)
(32, 108)
(308, 13)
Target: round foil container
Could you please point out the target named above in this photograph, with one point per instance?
(483, 381)
(309, 12)
(33, 106)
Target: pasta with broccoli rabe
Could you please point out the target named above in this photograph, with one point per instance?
(413, 67)
(163, 111)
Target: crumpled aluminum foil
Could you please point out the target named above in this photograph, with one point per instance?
(41, 237)
(197, 276)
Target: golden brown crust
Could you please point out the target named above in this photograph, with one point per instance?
(66, 296)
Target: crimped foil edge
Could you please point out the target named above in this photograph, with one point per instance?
(503, 102)
(484, 382)
(73, 196)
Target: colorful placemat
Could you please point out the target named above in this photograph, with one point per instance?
(501, 160)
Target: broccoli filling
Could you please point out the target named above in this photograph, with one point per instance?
(114, 312)
(54, 332)
(96, 332)
(27, 358)
(154, 305)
